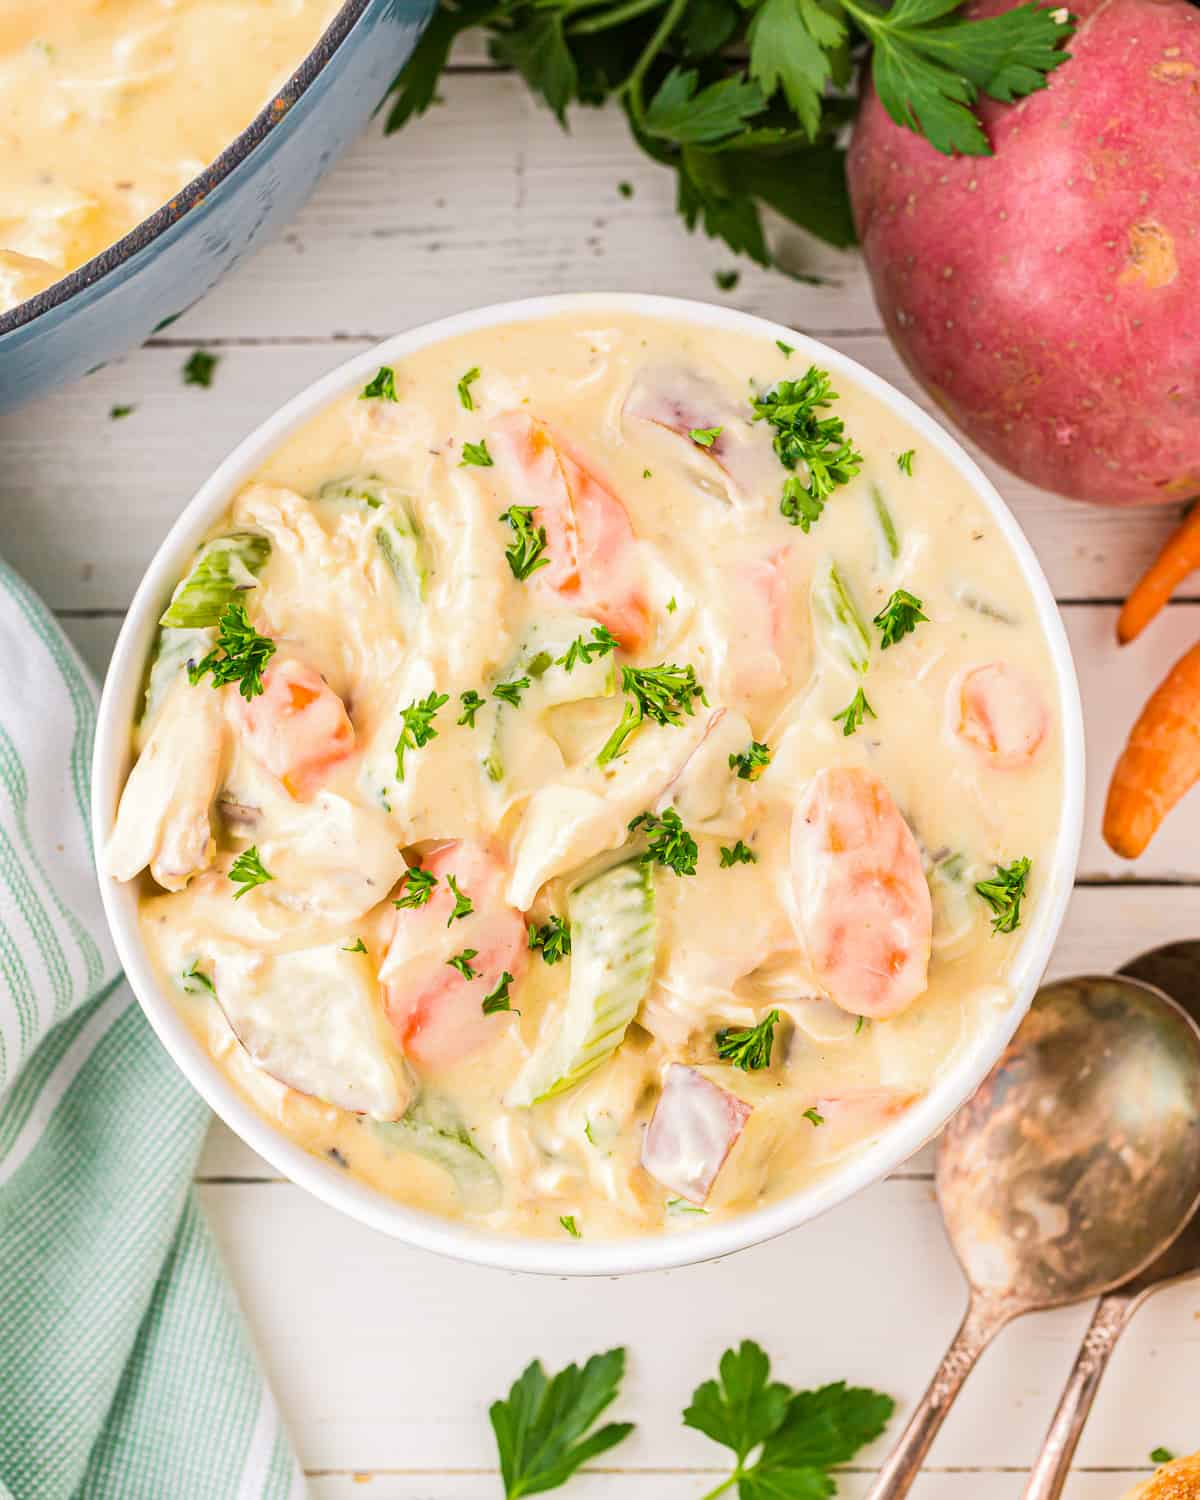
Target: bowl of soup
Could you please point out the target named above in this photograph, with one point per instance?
(144, 147)
(590, 784)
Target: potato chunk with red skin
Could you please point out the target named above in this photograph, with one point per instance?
(434, 1010)
(297, 726)
(592, 562)
(862, 902)
(1001, 713)
(695, 1126)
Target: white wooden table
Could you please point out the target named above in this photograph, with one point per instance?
(385, 1359)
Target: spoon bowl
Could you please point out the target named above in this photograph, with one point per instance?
(1073, 1168)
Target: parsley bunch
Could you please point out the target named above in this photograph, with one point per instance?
(744, 99)
(240, 655)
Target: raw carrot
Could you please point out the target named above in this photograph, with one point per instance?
(1179, 557)
(1160, 762)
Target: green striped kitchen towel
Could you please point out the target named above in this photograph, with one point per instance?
(125, 1371)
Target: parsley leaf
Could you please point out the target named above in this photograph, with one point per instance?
(794, 46)
(749, 1050)
(851, 717)
(200, 367)
(463, 905)
(418, 886)
(899, 617)
(194, 979)
(476, 454)
(357, 946)
(510, 692)
(687, 116)
(382, 387)
(798, 1435)
(1161, 1456)
(462, 962)
(905, 462)
(543, 1427)
(471, 704)
(816, 446)
(553, 938)
(240, 655)
(1004, 893)
(788, 350)
(725, 281)
(568, 1223)
(464, 388)
(751, 763)
(668, 842)
(601, 643)
(418, 727)
(117, 412)
(705, 437)
(527, 553)
(247, 871)
(738, 855)
(663, 693)
(812, 1114)
(498, 999)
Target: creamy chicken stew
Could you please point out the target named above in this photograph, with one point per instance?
(591, 780)
(107, 107)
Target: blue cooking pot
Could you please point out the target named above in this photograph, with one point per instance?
(167, 262)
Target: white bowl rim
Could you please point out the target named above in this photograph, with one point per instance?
(445, 1236)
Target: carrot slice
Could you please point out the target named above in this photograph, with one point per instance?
(1160, 762)
(1179, 557)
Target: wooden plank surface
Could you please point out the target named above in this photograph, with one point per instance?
(385, 1359)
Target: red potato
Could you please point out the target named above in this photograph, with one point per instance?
(1048, 296)
(695, 1126)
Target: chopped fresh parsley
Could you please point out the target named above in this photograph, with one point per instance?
(663, 693)
(510, 692)
(646, 474)
(568, 1223)
(1004, 893)
(860, 1023)
(795, 1437)
(899, 617)
(462, 962)
(357, 946)
(580, 650)
(527, 553)
(738, 855)
(788, 350)
(851, 717)
(726, 280)
(463, 905)
(705, 437)
(813, 1115)
(625, 189)
(905, 462)
(672, 606)
(418, 727)
(418, 886)
(240, 655)
(476, 454)
(804, 440)
(498, 999)
(682, 1206)
(668, 842)
(749, 1050)
(247, 871)
(382, 387)
(553, 938)
(546, 1428)
(471, 704)
(464, 388)
(194, 978)
(751, 763)
(117, 412)
(200, 367)
(1161, 1456)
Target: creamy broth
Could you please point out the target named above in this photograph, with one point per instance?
(787, 867)
(107, 107)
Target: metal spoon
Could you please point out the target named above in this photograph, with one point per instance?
(1174, 969)
(1075, 1164)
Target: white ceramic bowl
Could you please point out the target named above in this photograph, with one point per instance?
(612, 1257)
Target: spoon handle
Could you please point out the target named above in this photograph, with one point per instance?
(1049, 1473)
(982, 1322)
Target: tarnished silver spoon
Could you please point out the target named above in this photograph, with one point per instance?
(1072, 1168)
(1174, 969)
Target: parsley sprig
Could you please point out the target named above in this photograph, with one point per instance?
(664, 694)
(745, 102)
(553, 938)
(748, 1049)
(1004, 892)
(546, 1427)
(899, 617)
(418, 730)
(248, 871)
(668, 843)
(795, 1437)
(738, 855)
(381, 387)
(498, 999)
(527, 553)
(804, 440)
(751, 762)
(580, 650)
(851, 717)
(240, 655)
(462, 962)
(416, 888)
(463, 905)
